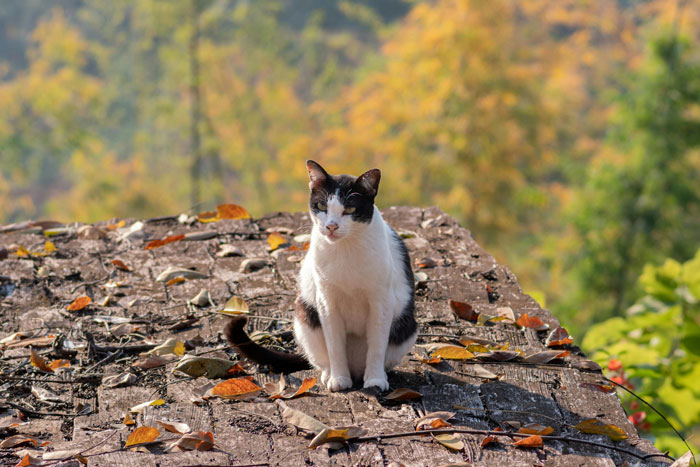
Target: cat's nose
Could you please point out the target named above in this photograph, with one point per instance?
(332, 226)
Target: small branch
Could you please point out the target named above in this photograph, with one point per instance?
(521, 412)
(83, 284)
(34, 412)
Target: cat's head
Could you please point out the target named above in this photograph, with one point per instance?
(341, 204)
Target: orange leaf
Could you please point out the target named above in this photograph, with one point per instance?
(79, 303)
(275, 240)
(128, 420)
(594, 426)
(452, 352)
(16, 440)
(232, 211)
(144, 434)
(59, 364)
(39, 362)
(426, 262)
(199, 441)
(536, 429)
(119, 264)
(175, 280)
(403, 394)
(159, 243)
(208, 216)
(236, 388)
(430, 360)
(235, 370)
(28, 460)
(533, 441)
(289, 393)
(607, 388)
(532, 322)
(439, 423)
(559, 337)
(116, 226)
(490, 438)
(463, 310)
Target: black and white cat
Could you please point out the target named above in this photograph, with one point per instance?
(355, 311)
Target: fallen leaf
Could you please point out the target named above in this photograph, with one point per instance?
(403, 394)
(162, 242)
(235, 389)
(429, 360)
(45, 395)
(110, 319)
(477, 348)
(60, 455)
(116, 226)
(452, 352)
(275, 240)
(229, 250)
(606, 388)
(585, 365)
(128, 421)
(208, 216)
(34, 342)
(28, 460)
(594, 426)
(506, 312)
(499, 355)
(139, 408)
(536, 429)
(426, 262)
(490, 438)
(144, 434)
(22, 252)
(79, 303)
(421, 278)
(290, 393)
(10, 422)
(428, 418)
(545, 356)
(49, 247)
(151, 361)
(483, 373)
(450, 441)
(232, 211)
(466, 341)
(197, 441)
(336, 435)
(532, 322)
(463, 310)
(300, 419)
(176, 280)
(18, 440)
(252, 265)
(558, 337)
(17, 336)
(685, 460)
(120, 380)
(173, 272)
(175, 427)
(199, 236)
(207, 366)
(39, 362)
(235, 306)
(119, 264)
(170, 346)
(533, 441)
(202, 299)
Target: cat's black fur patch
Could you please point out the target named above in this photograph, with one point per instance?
(404, 326)
(349, 193)
(307, 314)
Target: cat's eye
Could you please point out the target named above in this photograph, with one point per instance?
(321, 206)
(349, 210)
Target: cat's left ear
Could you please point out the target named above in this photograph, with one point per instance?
(317, 174)
(368, 182)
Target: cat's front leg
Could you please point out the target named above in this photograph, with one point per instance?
(378, 328)
(335, 335)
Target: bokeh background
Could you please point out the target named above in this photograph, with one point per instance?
(564, 134)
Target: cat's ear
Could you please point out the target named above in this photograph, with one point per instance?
(317, 175)
(368, 183)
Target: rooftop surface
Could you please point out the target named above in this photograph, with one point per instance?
(494, 390)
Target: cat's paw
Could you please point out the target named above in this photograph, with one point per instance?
(338, 383)
(380, 383)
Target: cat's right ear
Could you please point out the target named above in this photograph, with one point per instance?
(317, 176)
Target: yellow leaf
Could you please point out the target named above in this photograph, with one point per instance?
(39, 362)
(208, 216)
(49, 247)
(235, 306)
(128, 421)
(594, 426)
(139, 408)
(144, 434)
(22, 252)
(179, 349)
(452, 352)
(275, 240)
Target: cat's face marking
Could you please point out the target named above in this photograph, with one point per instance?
(341, 204)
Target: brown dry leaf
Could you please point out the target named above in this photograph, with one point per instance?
(336, 435)
(429, 360)
(452, 352)
(39, 362)
(28, 460)
(450, 441)
(144, 434)
(9, 422)
(34, 342)
(170, 346)
(119, 264)
(403, 394)
(175, 427)
(594, 426)
(426, 262)
(236, 389)
(275, 240)
(116, 226)
(559, 337)
(17, 440)
(536, 429)
(500, 355)
(300, 419)
(232, 211)
(483, 373)
(159, 243)
(490, 438)
(463, 310)
(532, 322)
(290, 393)
(55, 364)
(79, 303)
(545, 356)
(152, 361)
(423, 422)
(607, 388)
(128, 421)
(197, 441)
(533, 441)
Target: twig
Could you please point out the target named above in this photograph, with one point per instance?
(510, 435)
(34, 412)
(83, 284)
(521, 412)
(654, 409)
(107, 359)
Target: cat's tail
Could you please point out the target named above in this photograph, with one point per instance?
(279, 362)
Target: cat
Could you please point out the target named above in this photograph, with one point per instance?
(354, 316)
